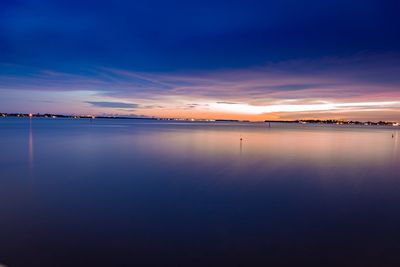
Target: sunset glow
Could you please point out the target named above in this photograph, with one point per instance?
(199, 133)
(198, 70)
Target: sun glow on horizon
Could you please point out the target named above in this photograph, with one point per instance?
(240, 108)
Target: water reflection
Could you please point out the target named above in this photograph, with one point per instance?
(240, 145)
(180, 194)
(396, 148)
(30, 148)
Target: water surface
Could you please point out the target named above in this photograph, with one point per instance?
(149, 193)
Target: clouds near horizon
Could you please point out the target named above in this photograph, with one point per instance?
(189, 59)
(361, 78)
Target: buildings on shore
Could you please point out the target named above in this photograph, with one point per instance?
(342, 122)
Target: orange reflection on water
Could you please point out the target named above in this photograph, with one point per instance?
(316, 145)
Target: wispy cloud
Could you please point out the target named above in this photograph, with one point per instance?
(104, 104)
(360, 83)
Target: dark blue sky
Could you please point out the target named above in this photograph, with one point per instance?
(204, 59)
(168, 35)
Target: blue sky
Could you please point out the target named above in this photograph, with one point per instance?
(70, 54)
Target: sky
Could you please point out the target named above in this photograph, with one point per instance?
(221, 59)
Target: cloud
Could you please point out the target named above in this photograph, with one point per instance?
(326, 84)
(104, 104)
(328, 78)
(227, 102)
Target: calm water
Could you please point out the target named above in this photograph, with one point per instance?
(148, 193)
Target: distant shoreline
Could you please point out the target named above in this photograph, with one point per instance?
(339, 122)
(330, 122)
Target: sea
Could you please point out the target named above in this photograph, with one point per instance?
(136, 192)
